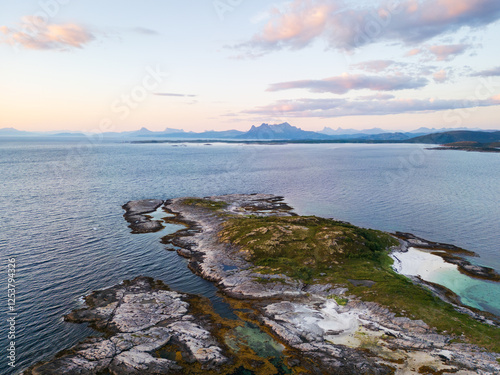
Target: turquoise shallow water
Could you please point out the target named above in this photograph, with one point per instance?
(483, 295)
(62, 218)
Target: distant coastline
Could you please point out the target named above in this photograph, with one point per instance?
(470, 146)
(265, 142)
(470, 149)
(281, 133)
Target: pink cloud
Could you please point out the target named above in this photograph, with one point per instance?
(298, 27)
(36, 34)
(440, 76)
(344, 27)
(329, 108)
(376, 66)
(414, 52)
(447, 52)
(347, 82)
(451, 9)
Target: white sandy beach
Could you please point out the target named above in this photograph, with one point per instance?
(417, 262)
(477, 293)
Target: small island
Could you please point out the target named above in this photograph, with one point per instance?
(320, 293)
(470, 146)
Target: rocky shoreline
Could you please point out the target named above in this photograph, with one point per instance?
(208, 257)
(138, 318)
(451, 254)
(323, 328)
(136, 215)
(469, 149)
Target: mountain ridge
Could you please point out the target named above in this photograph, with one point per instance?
(285, 131)
(457, 136)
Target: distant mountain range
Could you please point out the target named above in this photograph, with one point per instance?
(340, 131)
(458, 136)
(13, 132)
(285, 131)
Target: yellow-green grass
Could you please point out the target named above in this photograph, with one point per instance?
(205, 203)
(340, 300)
(316, 250)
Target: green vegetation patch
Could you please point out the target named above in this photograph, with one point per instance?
(303, 247)
(340, 301)
(316, 250)
(205, 203)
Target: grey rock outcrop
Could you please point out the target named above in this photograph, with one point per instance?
(139, 317)
(136, 215)
(359, 338)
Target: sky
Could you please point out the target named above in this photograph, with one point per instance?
(97, 66)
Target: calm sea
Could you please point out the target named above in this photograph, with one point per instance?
(61, 215)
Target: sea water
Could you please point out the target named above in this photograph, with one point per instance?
(61, 216)
(481, 294)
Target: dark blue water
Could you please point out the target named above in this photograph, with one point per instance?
(61, 216)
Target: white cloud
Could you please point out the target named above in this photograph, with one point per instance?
(347, 82)
(447, 52)
(34, 33)
(346, 28)
(328, 108)
(440, 76)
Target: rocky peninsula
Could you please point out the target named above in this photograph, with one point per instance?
(323, 289)
(470, 146)
(138, 318)
(136, 215)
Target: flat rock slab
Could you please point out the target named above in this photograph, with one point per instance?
(136, 215)
(142, 206)
(139, 318)
(367, 283)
